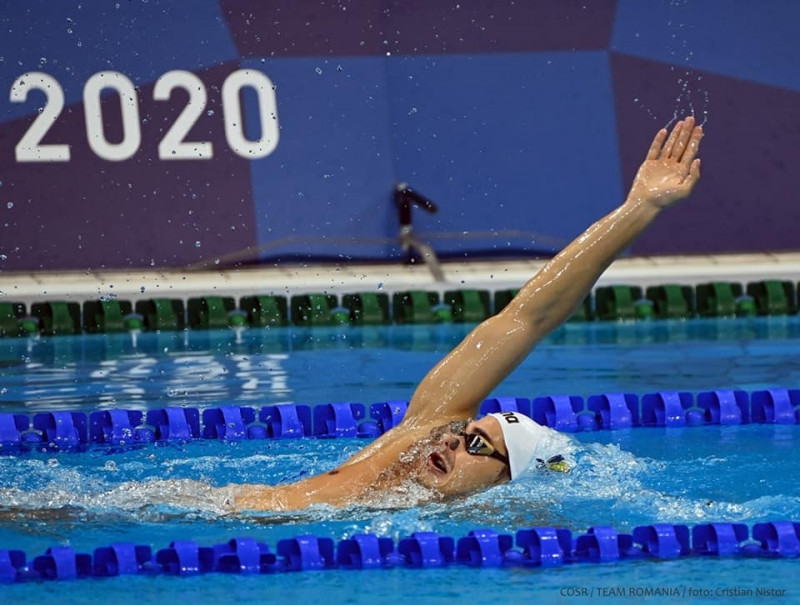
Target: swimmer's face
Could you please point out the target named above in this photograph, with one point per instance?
(451, 470)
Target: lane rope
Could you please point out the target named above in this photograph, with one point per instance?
(543, 547)
(79, 431)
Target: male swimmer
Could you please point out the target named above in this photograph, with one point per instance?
(438, 449)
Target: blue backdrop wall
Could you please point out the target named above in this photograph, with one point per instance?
(165, 133)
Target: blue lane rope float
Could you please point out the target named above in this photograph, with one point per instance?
(65, 430)
(542, 547)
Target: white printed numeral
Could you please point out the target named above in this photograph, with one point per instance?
(173, 146)
(95, 133)
(30, 148)
(267, 112)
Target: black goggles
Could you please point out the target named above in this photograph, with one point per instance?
(476, 444)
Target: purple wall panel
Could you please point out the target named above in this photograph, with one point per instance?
(375, 125)
(746, 198)
(90, 212)
(375, 27)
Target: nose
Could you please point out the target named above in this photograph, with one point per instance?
(453, 444)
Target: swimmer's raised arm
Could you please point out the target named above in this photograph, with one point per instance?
(455, 387)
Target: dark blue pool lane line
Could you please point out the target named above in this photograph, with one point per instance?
(47, 431)
(535, 547)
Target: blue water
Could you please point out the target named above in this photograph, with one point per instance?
(624, 478)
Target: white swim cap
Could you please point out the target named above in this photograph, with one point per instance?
(527, 441)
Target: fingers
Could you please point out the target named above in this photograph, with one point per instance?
(655, 146)
(693, 177)
(692, 148)
(694, 172)
(682, 140)
(673, 136)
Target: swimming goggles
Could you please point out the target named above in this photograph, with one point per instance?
(475, 443)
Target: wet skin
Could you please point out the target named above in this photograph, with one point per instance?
(454, 389)
(434, 458)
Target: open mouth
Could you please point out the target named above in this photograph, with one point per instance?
(437, 463)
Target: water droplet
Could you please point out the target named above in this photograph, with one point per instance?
(197, 244)
(380, 286)
(10, 205)
(142, 289)
(210, 112)
(318, 70)
(52, 462)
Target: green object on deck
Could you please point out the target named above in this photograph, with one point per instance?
(717, 299)
(237, 319)
(583, 312)
(367, 308)
(28, 326)
(313, 309)
(468, 306)
(414, 307)
(57, 317)
(502, 298)
(644, 309)
(165, 314)
(263, 311)
(773, 297)
(210, 312)
(617, 302)
(10, 317)
(105, 316)
(442, 314)
(746, 307)
(340, 316)
(671, 301)
(133, 322)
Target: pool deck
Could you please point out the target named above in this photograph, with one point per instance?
(287, 280)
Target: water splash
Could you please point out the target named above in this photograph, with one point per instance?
(608, 486)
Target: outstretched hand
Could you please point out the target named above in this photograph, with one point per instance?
(671, 170)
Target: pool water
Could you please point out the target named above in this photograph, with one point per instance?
(623, 478)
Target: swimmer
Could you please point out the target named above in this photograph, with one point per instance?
(440, 451)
